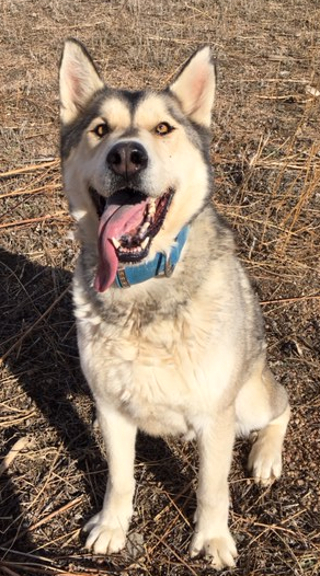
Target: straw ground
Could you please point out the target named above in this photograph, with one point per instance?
(266, 151)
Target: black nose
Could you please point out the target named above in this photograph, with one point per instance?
(127, 159)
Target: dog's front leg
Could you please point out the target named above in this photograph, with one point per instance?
(212, 537)
(108, 529)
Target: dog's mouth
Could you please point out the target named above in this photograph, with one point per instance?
(128, 224)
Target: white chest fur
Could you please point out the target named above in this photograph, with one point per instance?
(162, 374)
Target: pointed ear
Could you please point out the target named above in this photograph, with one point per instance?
(195, 86)
(78, 78)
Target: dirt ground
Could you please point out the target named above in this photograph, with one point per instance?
(266, 151)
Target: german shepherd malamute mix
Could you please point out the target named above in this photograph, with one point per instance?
(170, 334)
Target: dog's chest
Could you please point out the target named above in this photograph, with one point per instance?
(159, 373)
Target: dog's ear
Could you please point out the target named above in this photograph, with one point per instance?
(78, 78)
(195, 86)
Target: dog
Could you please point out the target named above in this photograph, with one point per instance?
(170, 334)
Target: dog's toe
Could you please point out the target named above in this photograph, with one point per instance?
(221, 549)
(102, 538)
(265, 463)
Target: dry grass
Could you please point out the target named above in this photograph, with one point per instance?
(266, 149)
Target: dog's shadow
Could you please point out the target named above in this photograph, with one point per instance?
(39, 358)
(39, 348)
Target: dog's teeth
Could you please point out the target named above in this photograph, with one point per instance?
(144, 228)
(115, 242)
(145, 243)
(152, 207)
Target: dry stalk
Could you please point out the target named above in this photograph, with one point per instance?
(30, 168)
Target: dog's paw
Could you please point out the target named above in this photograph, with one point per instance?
(221, 550)
(104, 538)
(265, 462)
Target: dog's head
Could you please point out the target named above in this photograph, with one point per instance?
(135, 164)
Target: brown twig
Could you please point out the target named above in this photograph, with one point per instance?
(55, 513)
(290, 300)
(58, 215)
(45, 188)
(29, 168)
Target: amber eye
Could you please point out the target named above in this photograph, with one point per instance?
(163, 128)
(101, 130)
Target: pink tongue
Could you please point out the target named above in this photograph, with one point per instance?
(116, 221)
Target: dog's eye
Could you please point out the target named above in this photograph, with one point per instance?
(101, 130)
(163, 128)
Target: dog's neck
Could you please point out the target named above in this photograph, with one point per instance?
(161, 265)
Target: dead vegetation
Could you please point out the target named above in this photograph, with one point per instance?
(266, 150)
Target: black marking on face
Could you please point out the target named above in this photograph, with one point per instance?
(132, 98)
